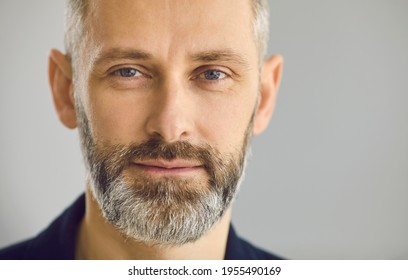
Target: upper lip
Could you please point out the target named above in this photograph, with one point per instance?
(177, 163)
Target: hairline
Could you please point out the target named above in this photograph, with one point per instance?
(77, 15)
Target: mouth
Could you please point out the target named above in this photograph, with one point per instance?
(163, 167)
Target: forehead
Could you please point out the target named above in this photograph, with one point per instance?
(172, 27)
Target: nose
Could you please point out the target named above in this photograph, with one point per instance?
(171, 113)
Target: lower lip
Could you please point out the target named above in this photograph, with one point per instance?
(167, 171)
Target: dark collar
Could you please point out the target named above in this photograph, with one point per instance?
(58, 240)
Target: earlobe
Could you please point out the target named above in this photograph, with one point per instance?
(270, 80)
(60, 79)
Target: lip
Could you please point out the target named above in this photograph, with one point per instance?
(167, 167)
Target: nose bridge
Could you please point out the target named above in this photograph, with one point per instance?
(169, 116)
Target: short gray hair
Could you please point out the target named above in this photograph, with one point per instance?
(75, 19)
(77, 11)
(260, 24)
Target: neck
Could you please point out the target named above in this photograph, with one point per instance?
(97, 239)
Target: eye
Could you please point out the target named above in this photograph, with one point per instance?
(212, 75)
(128, 73)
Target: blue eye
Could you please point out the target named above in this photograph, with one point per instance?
(127, 72)
(212, 75)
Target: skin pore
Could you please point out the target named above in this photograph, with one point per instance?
(165, 69)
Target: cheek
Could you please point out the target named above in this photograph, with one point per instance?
(116, 118)
(219, 119)
(226, 120)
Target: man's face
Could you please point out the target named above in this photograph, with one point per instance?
(166, 93)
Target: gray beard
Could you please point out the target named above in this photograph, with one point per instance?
(165, 211)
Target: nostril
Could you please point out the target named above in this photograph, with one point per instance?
(170, 129)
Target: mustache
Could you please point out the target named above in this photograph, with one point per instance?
(156, 148)
(115, 158)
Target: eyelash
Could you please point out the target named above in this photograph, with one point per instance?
(119, 73)
(202, 75)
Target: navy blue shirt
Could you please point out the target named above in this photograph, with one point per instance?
(57, 242)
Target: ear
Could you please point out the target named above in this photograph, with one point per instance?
(270, 80)
(60, 79)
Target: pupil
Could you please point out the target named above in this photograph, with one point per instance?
(212, 75)
(128, 72)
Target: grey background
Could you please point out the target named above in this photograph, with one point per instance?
(328, 180)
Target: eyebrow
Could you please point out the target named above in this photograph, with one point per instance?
(223, 55)
(226, 55)
(118, 53)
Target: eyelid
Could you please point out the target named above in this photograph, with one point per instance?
(142, 70)
(202, 75)
(201, 70)
(120, 74)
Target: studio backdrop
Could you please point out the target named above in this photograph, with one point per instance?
(327, 180)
